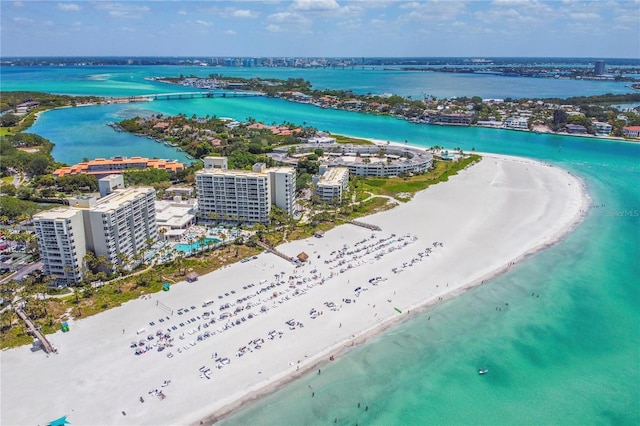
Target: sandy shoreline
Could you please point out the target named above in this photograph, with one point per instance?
(487, 218)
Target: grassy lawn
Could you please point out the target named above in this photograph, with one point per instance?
(403, 188)
(7, 179)
(4, 131)
(354, 141)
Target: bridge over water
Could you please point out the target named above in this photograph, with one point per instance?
(185, 95)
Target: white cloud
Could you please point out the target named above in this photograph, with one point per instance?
(584, 16)
(289, 17)
(435, 10)
(410, 5)
(182, 12)
(18, 4)
(315, 5)
(72, 7)
(244, 13)
(519, 15)
(273, 28)
(123, 10)
(230, 32)
(204, 23)
(21, 20)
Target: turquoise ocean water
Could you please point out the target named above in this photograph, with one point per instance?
(569, 354)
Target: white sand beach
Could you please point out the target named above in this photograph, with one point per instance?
(483, 220)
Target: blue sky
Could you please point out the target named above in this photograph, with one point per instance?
(320, 28)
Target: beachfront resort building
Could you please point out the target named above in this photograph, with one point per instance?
(102, 167)
(118, 227)
(60, 234)
(363, 160)
(331, 183)
(242, 195)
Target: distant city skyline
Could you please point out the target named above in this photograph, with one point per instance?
(322, 28)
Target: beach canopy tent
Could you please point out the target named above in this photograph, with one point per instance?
(166, 287)
(303, 257)
(192, 276)
(59, 422)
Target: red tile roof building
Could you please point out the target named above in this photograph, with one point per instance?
(102, 166)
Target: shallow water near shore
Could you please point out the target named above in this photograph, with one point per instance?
(549, 333)
(563, 351)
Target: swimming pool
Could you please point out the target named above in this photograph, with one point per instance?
(188, 248)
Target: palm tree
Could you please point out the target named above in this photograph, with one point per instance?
(201, 242)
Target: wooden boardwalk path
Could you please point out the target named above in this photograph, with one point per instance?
(363, 224)
(35, 331)
(268, 248)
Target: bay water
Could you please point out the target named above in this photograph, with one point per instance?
(566, 348)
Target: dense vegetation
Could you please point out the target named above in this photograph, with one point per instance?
(10, 100)
(13, 208)
(199, 137)
(13, 156)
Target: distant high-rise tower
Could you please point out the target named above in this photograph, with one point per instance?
(598, 69)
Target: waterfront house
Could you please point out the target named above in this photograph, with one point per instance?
(631, 131)
(517, 123)
(602, 129)
(576, 129)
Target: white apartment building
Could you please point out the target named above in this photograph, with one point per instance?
(330, 185)
(233, 195)
(108, 183)
(282, 181)
(121, 223)
(602, 129)
(517, 123)
(243, 196)
(61, 237)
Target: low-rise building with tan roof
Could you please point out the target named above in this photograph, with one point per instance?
(103, 167)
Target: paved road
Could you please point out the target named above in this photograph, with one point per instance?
(22, 271)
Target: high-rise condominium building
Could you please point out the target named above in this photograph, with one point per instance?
(283, 188)
(61, 239)
(117, 226)
(243, 196)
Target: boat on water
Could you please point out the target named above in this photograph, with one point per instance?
(482, 371)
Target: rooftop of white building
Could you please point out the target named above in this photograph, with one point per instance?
(57, 213)
(119, 197)
(174, 214)
(334, 176)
